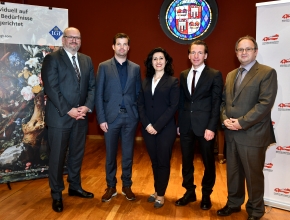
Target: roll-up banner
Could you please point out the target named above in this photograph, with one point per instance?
(273, 37)
(27, 34)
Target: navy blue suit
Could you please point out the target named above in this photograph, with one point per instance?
(110, 97)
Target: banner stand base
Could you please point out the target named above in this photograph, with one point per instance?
(276, 204)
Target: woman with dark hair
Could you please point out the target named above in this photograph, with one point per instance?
(157, 104)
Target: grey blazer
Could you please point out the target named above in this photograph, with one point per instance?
(251, 106)
(63, 90)
(109, 93)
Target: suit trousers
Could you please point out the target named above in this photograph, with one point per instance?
(159, 148)
(123, 128)
(60, 140)
(187, 141)
(244, 162)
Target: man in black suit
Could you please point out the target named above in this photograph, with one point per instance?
(69, 84)
(199, 106)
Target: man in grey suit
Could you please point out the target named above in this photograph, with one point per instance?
(68, 78)
(118, 83)
(248, 97)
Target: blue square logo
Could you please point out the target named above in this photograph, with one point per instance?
(56, 32)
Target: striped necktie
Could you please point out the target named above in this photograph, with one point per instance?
(76, 68)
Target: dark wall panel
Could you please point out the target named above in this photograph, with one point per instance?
(100, 20)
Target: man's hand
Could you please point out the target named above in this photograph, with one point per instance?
(232, 124)
(208, 135)
(74, 113)
(104, 126)
(82, 112)
(236, 123)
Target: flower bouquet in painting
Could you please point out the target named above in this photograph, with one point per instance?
(23, 150)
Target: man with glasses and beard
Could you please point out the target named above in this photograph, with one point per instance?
(69, 83)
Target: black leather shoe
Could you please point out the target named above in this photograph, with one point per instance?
(253, 218)
(205, 203)
(79, 193)
(57, 205)
(185, 200)
(226, 211)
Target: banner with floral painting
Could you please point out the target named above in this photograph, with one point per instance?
(23, 150)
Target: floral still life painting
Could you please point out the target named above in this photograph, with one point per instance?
(23, 149)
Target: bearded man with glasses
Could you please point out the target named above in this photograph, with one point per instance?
(69, 84)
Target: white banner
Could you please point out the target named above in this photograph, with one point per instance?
(273, 34)
(27, 34)
(30, 24)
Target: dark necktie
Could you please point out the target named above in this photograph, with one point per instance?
(76, 68)
(239, 79)
(193, 82)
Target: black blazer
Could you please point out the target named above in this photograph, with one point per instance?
(63, 90)
(200, 111)
(158, 109)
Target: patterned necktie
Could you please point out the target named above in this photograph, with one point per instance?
(193, 82)
(76, 68)
(239, 79)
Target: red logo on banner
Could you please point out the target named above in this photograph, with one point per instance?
(286, 148)
(284, 105)
(268, 165)
(284, 191)
(284, 61)
(274, 37)
(286, 16)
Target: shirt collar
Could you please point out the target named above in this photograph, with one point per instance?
(199, 69)
(249, 66)
(70, 55)
(123, 64)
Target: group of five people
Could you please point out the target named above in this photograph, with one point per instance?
(121, 100)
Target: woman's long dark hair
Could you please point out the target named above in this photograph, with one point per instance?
(150, 71)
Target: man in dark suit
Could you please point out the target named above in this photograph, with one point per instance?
(199, 107)
(118, 84)
(68, 78)
(248, 97)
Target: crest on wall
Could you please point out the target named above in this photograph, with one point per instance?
(186, 20)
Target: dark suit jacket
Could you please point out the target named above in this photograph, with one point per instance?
(251, 106)
(159, 109)
(200, 111)
(109, 93)
(63, 90)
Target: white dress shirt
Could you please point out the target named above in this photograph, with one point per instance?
(197, 75)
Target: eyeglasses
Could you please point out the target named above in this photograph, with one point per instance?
(72, 38)
(247, 50)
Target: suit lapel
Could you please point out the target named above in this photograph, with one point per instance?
(69, 65)
(130, 74)
(115, 72)
(253, 71)
(162, 81)
(202, 79)
(184, 82)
